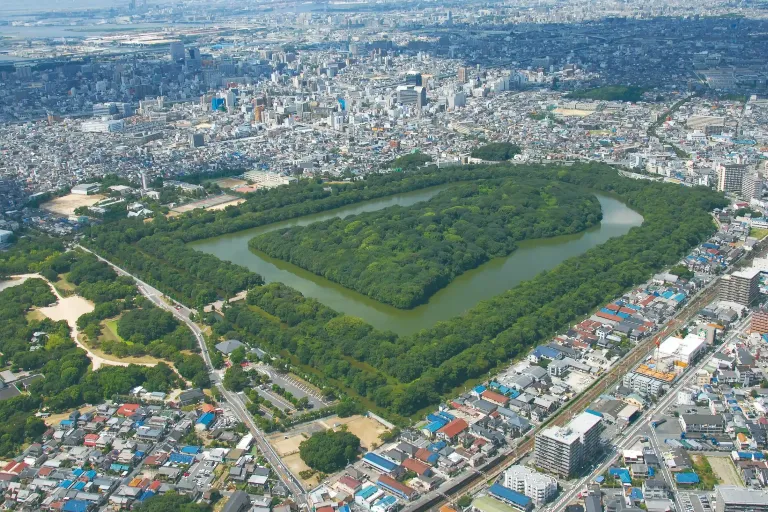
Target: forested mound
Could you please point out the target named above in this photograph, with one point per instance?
(403, 255)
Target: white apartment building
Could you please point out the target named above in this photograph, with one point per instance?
(540, 488)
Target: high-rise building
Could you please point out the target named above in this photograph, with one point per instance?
(759, 322)
(462, 74)
(196, 140)
(730, 177)
(412, 95)
(733, 498)
(540, 488)
(741, 287)
(752, 186)
(413, 78)
(564, 450)
(177, 51)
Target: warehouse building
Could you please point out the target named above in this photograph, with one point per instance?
(732, 498)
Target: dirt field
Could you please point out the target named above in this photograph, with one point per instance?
(367, 429)
(54, 419)
(296, 465)
(725, 470)
(285, 447)
(69, 309)
(207, 203)
(11, 283)
(572, 112)
(224, 205)
(66, 205)
(230, 183)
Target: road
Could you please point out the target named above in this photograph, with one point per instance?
(234, 401)
(703, 297)
(630, 435)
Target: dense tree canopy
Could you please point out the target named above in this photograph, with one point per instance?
(401, 256)
(496, 151)
(610, 93)
(410, 161)
(171, 502)
(329, 451)
(68, 380)
(402, 375)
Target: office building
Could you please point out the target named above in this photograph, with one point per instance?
(196, 140)
(462, 75)
(682, 350)
(412, 95)
(759, 322)
(730, 177)
(540, 488)
(733, 498)
(752, 186)
(177, 51)
(564, 450)
(741, 287)
(702, 423)
(413, 78)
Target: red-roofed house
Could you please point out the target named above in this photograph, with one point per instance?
(494, 397)
(127, 409)
(417, 467)
(90, 440)
(423, 454)
(453, 429)
(14, 468)
(348, 485)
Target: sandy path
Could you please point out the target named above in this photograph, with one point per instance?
(70, 309)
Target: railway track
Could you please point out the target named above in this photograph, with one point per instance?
(607, 380)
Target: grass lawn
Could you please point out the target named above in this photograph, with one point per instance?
(758, 233)
(707, 477)
(65, 287)
(35, 315)
(110, 331)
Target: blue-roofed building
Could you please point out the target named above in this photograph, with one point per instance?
(66, 423)
(512, 498)
(344, 508)
(367, 492)
(545, 352)
(430, 429)
(385, 504)
(119, 468)
(182, 458)
(79, 486)
(193, 450)
(379, 463)
(686, 478)
(436, 447)
(636, 493)
(446, 416)
(205, 421)
(77, 471)
(146, 495)
(64, 484)
(622, 474)
(478, 390)
(77, 506)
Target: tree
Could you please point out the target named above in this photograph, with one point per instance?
(464, 501)
(237, 356)
(171, 502)
(235, 379)
(496, 151)
(329, 451)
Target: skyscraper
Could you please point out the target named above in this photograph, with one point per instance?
(462, 74)
(413, 78)
(177, 51)
(730, 177)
